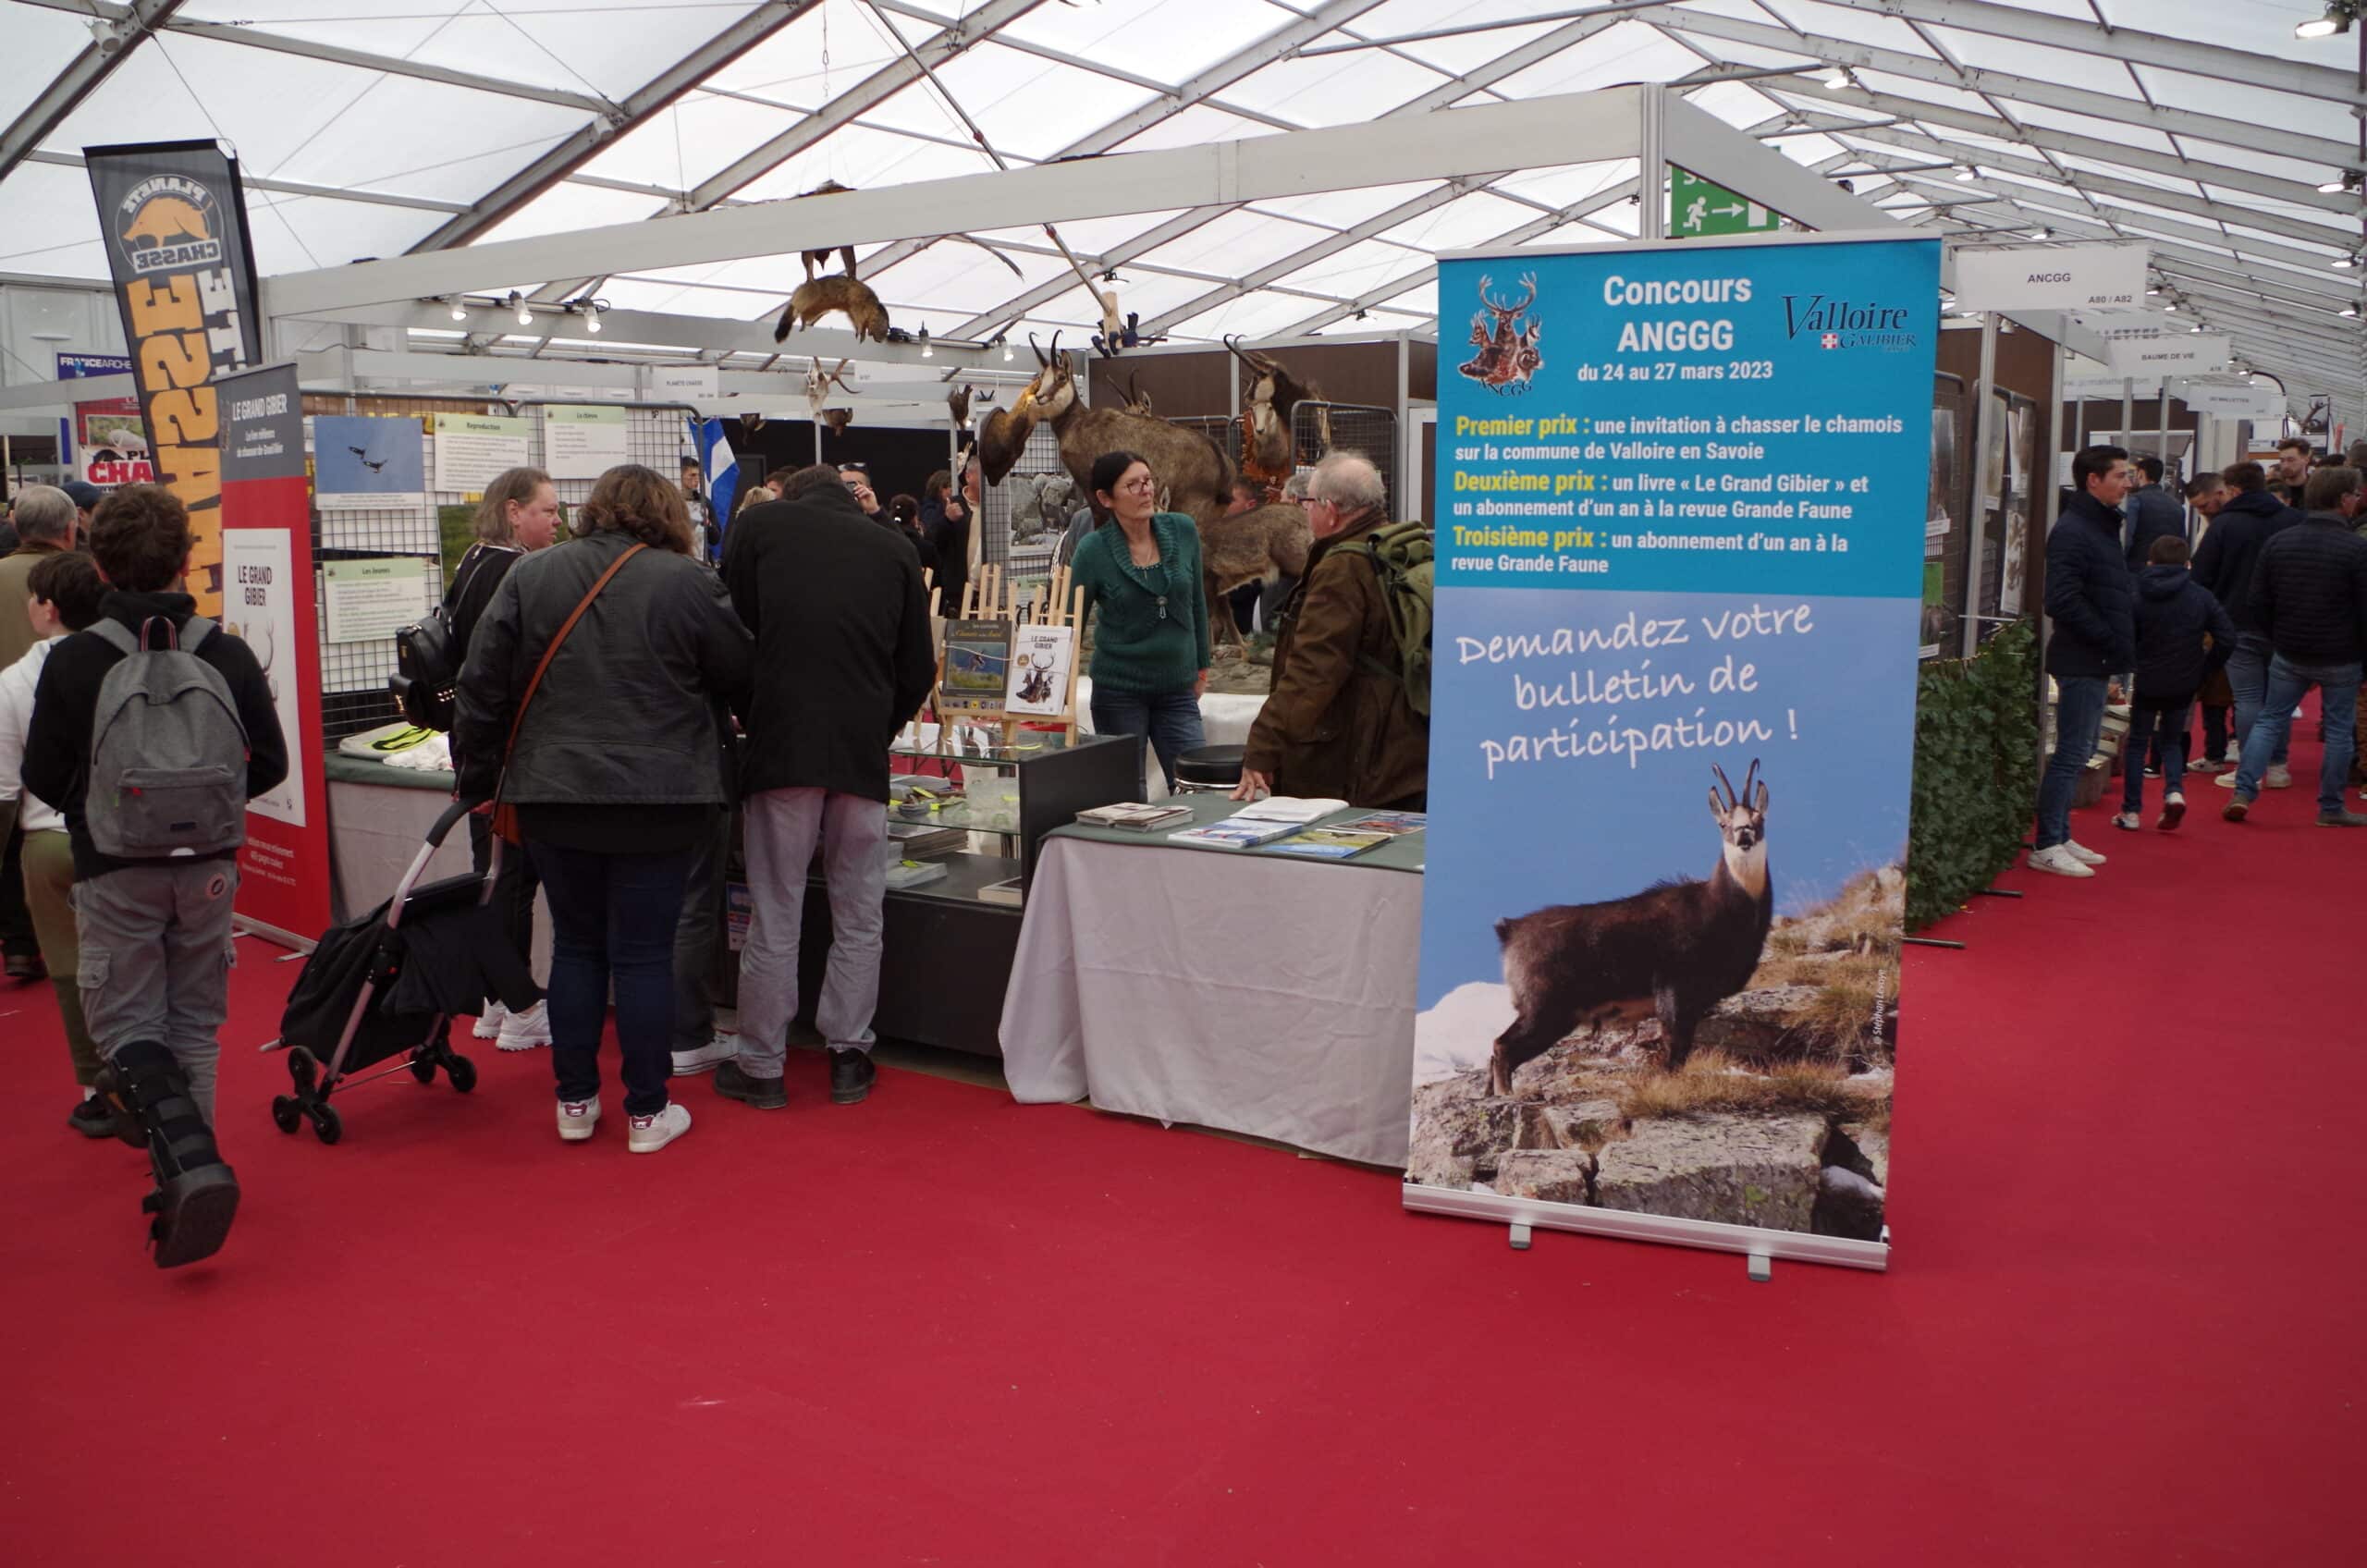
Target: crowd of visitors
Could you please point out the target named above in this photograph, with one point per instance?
(2275, 599)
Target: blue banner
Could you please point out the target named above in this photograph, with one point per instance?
(1680, 515)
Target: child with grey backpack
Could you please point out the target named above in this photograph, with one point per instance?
(150, 733)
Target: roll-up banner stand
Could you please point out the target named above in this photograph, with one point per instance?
(1680, 509)
(175, 223)
(266, 553)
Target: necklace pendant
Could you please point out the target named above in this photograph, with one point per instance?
(1162, 606)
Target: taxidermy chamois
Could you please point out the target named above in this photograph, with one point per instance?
(817, 299)
(1672, 951)
(1270, 449)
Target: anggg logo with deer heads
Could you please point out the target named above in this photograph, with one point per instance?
(1507, 360)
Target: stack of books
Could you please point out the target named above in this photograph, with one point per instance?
(1135, 816)
(911, 840)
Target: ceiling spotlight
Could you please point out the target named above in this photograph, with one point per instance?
(460, 308)
(2336, 19)
(592, 321)
(2043, 234)
(1836, 78)
(2150, 293)
(2171, 308)
(2196, 327)
(2343, 263)
(525, 312)
(2350, 311)
(1968, 172)
(928, 351)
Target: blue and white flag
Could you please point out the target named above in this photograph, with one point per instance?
(721, 470)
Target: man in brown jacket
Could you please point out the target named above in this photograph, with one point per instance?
(1337, 723)
(45, 517)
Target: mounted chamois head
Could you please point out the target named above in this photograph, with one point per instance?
(837, 420)
(1270, 395)
(819, 296)
(1053, 392)
(1137, 400)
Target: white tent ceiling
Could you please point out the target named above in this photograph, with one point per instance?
(370, 127)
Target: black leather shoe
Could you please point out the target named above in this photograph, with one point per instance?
(27, 967)
(851, 1076)
(93, 1117)
(764, 1094)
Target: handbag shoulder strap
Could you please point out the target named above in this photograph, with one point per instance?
(565, 627)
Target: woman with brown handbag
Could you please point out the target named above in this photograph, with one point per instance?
(588, 715)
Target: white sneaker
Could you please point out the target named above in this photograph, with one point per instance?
(488, 1023)
(524, 1030)
(647, 1134)
(577, 1117)
(2224, 780)
(2058, 860)
(723, 1047)
(2129, 820)
(2279, 776)
(2081, 854)
(2235, 753)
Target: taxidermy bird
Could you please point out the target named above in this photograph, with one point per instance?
(957, 402)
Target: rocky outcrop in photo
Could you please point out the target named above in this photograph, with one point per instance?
(1779, 1120)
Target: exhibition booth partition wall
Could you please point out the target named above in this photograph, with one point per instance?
(1680, 525)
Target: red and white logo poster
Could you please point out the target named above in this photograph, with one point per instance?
(267, 600)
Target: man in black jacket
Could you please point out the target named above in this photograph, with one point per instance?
(2091, 599)
(2153, 512)
(155, 933)
(842, 636)
(2309, 598)
(2251, 516)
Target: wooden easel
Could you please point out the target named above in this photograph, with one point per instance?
(993, 594)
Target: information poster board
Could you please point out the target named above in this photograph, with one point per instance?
(107, 435)
(1682, 500)
(368, 600)
(360, 462)
(582, 441)
(267, 600)
(471, 451)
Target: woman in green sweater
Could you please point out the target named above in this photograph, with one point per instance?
(1140, 570)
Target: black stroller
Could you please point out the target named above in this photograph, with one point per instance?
(390, 983)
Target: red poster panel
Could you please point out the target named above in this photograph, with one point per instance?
(267, 600)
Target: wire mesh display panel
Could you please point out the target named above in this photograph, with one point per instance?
(1015, 531)
(1369, 433)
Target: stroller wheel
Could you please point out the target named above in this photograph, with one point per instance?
(424, 1069)
(286, 1113)
(327, 1125)
(463, 1073)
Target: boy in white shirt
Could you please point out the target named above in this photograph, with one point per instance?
(66, 594)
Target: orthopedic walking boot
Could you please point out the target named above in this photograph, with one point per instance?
(196, 1195)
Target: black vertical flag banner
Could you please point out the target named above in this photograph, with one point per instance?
(175, 223)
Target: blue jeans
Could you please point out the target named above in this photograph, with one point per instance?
(2078, 722)
(2155, 730)
(612, 922)
(2338, 686)
(2248, 678)
(1170, 721)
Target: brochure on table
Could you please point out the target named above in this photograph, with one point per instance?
(1681, 504)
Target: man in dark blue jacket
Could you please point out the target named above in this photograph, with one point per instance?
(2153, 512)
(2091, 599)
(2253, 516)
(2309, 598)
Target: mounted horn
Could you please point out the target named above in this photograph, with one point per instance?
(1040, 360)
(1056, 346)
(1732, 801)
(1748, 781)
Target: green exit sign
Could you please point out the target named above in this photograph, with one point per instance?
(1697, 209)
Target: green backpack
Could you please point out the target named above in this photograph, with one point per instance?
(1402, 557)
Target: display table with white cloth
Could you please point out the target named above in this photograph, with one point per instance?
(1235, 990)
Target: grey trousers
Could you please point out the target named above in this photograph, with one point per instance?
(782, 827)
(695, 935)
(156, 959)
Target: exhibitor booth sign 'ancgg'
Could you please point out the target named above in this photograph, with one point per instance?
(175, 223)
(1679, 583)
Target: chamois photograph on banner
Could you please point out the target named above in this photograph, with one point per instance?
(1671, 747)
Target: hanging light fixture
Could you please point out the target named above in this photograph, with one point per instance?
(928, 352)
(1836, 78)
(525, 312)
(592, 309)
(2344, 263)
(2350, 311)
(2337, 18)
(1968, 172)
(460, 308)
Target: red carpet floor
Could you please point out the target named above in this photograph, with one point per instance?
(941, 1327)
